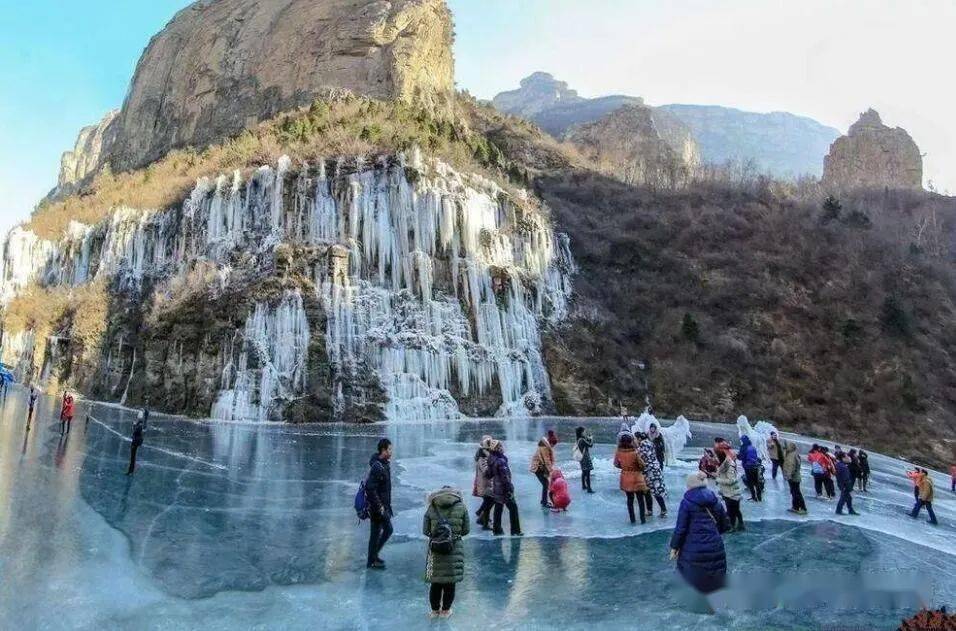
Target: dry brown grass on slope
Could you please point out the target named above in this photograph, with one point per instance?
(77, 314)
(340, 126)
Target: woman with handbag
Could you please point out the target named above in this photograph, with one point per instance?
(582, 453)
(445, 523)
(697, 544)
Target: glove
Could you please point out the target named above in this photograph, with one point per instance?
(674, 554)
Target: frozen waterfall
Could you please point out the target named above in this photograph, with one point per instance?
(438, 282)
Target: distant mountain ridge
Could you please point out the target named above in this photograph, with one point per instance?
(783, 144)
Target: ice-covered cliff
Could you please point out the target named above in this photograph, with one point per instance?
(399, 286)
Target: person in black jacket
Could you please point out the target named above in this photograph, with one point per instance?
(658, 439)
(378, 490)
(136, 440)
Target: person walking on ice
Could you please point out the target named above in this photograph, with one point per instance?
(445, 523)
(378, 490)
(924, 497)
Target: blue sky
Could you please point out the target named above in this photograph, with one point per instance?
(65, 64)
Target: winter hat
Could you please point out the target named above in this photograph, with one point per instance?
(696, 480)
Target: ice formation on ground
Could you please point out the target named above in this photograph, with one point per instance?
(758, 434)
(437, 281)
(675, 435)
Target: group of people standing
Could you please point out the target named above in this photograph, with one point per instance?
(642, 471)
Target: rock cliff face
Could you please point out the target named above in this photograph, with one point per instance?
(629, 144)
(222, 65)
(93, 145)
(873, 155)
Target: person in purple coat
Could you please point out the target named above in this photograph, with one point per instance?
(502, 488)
(697, 544)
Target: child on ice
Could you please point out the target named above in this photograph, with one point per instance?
(558, 491)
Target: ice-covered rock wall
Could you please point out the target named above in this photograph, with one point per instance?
(436, 281)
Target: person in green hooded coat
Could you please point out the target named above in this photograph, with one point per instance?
(444, 571)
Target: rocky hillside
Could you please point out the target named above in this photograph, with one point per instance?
(873, 155)
(778, 143)
(221, 66)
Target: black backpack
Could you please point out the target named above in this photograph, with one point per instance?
(442, 540)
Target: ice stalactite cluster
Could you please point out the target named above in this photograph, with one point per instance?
(272, 363)
(437, 282)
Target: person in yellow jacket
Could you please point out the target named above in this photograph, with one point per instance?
(924, 486)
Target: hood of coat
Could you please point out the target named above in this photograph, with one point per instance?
(744, 441)
(556, 475)
(445, 497)
(701, 496)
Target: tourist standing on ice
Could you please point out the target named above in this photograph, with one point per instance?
(728, 483)
(653, 475)
(791, 473)
(775, 449)
(751, 462)
(502, 488)
(135, 442)
(864, 459)
(378, 490)
(924, 497)
(482, 485)
(830, 465)
(854, 466)
(66, 414)
(952, 478)
(541, 464)
(145, 413)
(584, 443)
(697, 543)
(658, 439)
(445, 523)
(33, 402)
(845, 483)
(632, 467)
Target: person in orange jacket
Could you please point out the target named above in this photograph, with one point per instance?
(924, 496)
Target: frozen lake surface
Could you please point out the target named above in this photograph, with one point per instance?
(240, 526)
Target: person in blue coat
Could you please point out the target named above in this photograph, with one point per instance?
(751, 462)
(845, 482)
(697, 543)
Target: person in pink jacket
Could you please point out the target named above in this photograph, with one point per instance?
(558, 491)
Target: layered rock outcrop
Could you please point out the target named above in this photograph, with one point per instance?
(93, 145)
(633, 145)
(221, 66)
(873, 155)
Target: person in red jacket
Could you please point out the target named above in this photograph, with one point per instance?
(558, 491)
(821, 468)
(66, 414)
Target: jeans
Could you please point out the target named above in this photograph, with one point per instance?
(630, 506)
(380, 530)
(775, 468)
(818, 483)
(929, 508)
(512, 515)
(733, 513)
(132, 458)
(796, 496)
(441, 596)
(846, 499)
(542, 475)
(752, 479)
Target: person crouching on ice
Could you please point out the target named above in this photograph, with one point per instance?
(558, 491)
